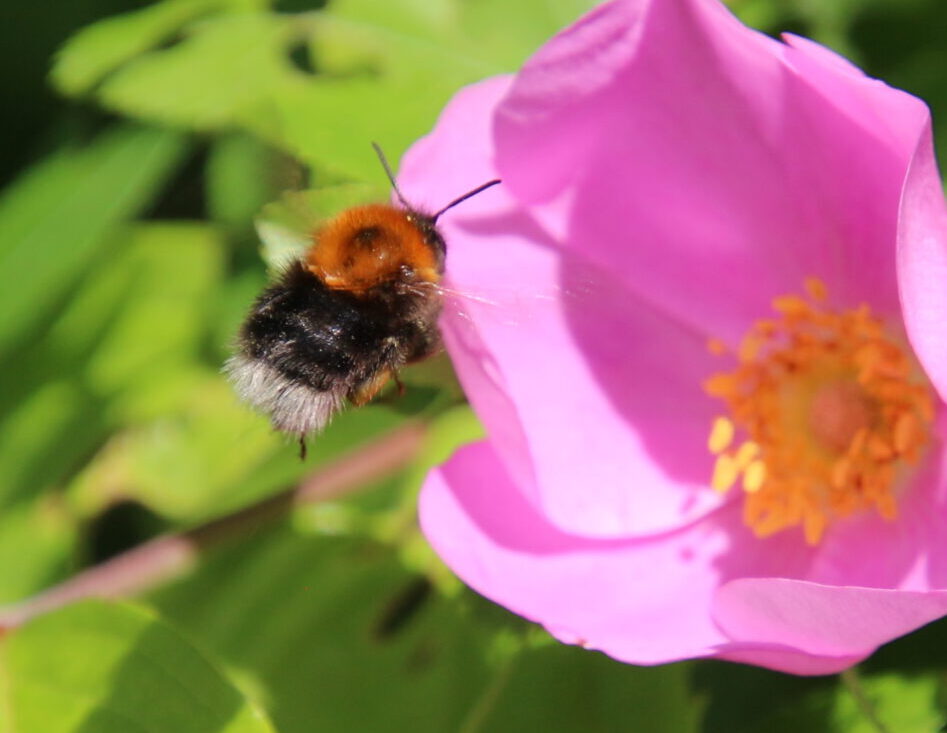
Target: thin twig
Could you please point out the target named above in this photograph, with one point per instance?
(852, 682)
(169, 556)
(486, 703)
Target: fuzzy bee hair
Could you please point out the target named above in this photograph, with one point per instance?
(305, 348)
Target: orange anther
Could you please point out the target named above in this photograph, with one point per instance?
(830, 410)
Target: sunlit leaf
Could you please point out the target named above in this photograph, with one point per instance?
(898, 702)
(242, 175)
(213, 455)
(446, 433)
(321, 629)
(286, 226)
(219, 73)
(125, 348)
(394, 67)
(37, 540)
(335, 635)
(380, 70)
(56, 218)
(171, 270)
(100, 48)
(101, 668)
(48, 417)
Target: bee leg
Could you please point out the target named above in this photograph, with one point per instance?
(364, 392)
(398, 383)
(302, 447)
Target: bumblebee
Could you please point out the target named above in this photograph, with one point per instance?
(341, 321)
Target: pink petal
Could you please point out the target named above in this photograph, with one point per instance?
(607, 397)
(701, 591)
(869, 581)
(922, 261)
(561, 94)
(596, 404)
(772, 656)
(637, 601)
(640, 601)
(666, 173)
(700, 146)
(821, 620)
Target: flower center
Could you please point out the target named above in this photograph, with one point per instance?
(831, 410)
(837, 412)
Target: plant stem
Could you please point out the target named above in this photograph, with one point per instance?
(852, 682)
(169, 556)
(487, 701)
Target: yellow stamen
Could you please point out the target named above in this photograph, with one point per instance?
(725, 473)
(832, 411)
(745, 454)
(754, 476)
(721, 435)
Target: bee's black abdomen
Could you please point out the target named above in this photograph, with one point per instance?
(300, 327)
(305, 347)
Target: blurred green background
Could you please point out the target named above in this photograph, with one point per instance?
(141, 141)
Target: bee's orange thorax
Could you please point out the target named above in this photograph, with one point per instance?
(368, 245)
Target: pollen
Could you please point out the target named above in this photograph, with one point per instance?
(826, 412)
(721, 435)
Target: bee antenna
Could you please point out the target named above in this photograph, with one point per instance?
(391, 176)
(466, 196)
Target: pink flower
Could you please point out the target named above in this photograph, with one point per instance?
(668, 175)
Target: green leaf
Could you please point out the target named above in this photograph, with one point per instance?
(286, 226)
(211, 454)
(100, 48)
(219, 74)
(391, 67)
(334, 634)
(352, 113)
(96, 668)
(125, 348)
(37, 540)
(899, 702)
(382, 71)
(762, 14)
(55, 219)
(192, 463)
(57, 413)
(446, 433)
(508, 33)
(566, 688)
(892, 702)
(457, 427)
(745, 699)
(240, 180)
(171, 271)
(351, 641)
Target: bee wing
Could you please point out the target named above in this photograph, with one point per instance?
(506, 307)
(287, 226)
